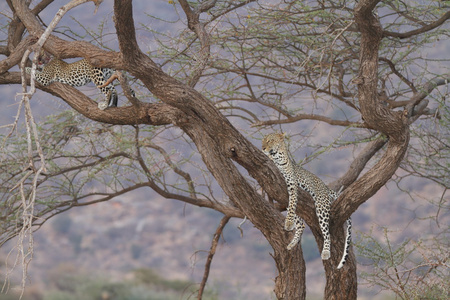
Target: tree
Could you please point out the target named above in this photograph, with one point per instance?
(237, 60)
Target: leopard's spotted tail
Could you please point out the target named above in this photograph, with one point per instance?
(348, 239)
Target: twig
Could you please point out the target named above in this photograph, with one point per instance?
(199, 28)
(110, 80)
(240, 224)
(331, 46)
(212, 251)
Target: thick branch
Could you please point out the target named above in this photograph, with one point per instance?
(146, 113)
(431, 26)
(216, 139)
(15, 57)
(17, 28)
(194, 24)
(393, 124)
(358, 165)
(299, 117)
(126, 32)
(66, 49)
(425, 91)
(214, 134)
(365, 187)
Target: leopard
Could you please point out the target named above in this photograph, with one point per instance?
(76, 74)
(300, 226)
(274, 146)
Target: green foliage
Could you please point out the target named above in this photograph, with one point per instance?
(411, 269)
(429, 156)
(60, 295)
(99, 289)
(86, 163)
(32, 292)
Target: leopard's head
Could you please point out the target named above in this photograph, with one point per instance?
(43, 58)
(273, 143)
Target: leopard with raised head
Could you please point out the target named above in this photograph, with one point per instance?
(76, 74)
(273, 145)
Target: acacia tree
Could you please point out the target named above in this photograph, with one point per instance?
(235, 59)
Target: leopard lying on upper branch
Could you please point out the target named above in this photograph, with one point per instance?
(78, 73)
(273, 145)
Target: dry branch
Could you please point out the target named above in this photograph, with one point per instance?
(211, 253)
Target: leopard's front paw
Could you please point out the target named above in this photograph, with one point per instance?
(325, 254)
(292, 244)
(102, 105)
(288, 225)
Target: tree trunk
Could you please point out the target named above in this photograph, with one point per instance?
(291, 280)
(341, 283)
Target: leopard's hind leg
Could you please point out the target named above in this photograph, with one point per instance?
(324, 221)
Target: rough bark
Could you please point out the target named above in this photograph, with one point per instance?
(291, 280)
(342, 284)
(221, 145)
(393, 124)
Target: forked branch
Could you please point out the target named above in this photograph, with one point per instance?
(194, 24)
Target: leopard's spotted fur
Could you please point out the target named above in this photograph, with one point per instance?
(76, 74)
(274, 146)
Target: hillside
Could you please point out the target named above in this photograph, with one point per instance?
(140, 230)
